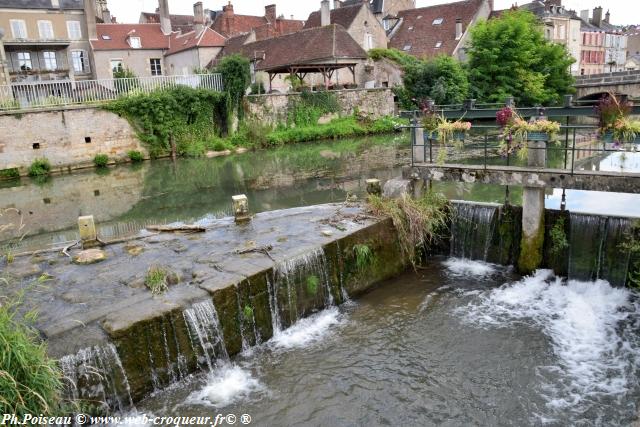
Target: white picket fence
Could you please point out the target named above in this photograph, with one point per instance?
(55, 93)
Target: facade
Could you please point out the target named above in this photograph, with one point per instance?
(604, 46)
(633, 41)
(384, 10)
(47, 40)
(443, 29)
(632, 63)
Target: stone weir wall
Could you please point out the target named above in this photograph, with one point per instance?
(231, 287)
(68, 137)
(272, 108)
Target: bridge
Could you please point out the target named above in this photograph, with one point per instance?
(596, 85)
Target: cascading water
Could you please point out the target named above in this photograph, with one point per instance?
(96, 374)
(595, 248)
(472, 230)
(206, 336)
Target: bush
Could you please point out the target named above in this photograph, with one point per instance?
(135, 156)
(40, 167)
(101, 160)
(30, 382)
(157, 280)
(12, 173)
(220, 145)
(257, 88)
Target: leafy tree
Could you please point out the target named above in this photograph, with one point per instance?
(399, 57)
(509, 56)
(442, 79)
(236, 77)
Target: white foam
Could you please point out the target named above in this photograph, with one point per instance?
(226, 385)
(582, 320)
(308, 330)
(467, 267)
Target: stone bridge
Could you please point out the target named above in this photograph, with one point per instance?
(597, 85)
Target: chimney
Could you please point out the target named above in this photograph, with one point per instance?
(458, 28)
(606, 17)
(198, 17)
(90, 16)
(337, 4)
(106, 16)
(228, 10)
(584, 15)
(597, 16)
(325, 13)
(270, 13)
(165, 19)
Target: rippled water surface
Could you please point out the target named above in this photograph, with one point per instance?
(458, 343)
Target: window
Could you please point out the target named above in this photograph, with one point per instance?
(24, 61)
(116, 65)
(106, 37)
(368, 41)
(134, 42)
(50, 62)
(18, 28)
(156, 67)
(74, 30)
(80, 61)
(438, 45)
(386, 24)
(437, 21)
(406, 47)
(45, 29)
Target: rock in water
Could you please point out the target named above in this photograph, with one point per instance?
(90, 256)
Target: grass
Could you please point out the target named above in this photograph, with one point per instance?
(559, 241)
(418, 222)
(364, 256)
(247, 311)
(101, 160)
(312, 284)
(157, 280)
(40, 167)
(135, 156)
(8, 174)
(30, 382)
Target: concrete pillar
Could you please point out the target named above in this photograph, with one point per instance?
(531, 245)
(241, 208)
(417, 139)
(373, 187)
(88, 233)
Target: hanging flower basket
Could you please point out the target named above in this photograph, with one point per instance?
(538, 136)
(607, 137)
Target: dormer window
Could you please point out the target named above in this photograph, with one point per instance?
(106, 37)
(437, 21)
(410, 28)
(438, 45)
(134, 42)
(407, 47)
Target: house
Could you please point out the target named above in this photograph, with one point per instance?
(384, 10)
(313, 55)
(443, 29)
(155, 49)
(633, 63)
(633, 40)
(47, 40)
(604, 46)
(181, 23)
(230, 24)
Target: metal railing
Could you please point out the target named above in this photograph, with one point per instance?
(56, 93)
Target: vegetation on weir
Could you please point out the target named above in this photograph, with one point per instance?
(157, 280)
(631, 245)
(39, 167)
(101, 160)
(420, 222)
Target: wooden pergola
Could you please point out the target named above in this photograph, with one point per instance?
(302, 70)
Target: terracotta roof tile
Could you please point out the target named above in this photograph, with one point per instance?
(419, 36)
(236, 24)
(114, 36)
(344, 16)
(208, 38)
(322, 44)
(182, 23)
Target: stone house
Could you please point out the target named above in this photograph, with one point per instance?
(230, 24)
(443, 29)
(604, 46)
(46, 40)
(384, 10)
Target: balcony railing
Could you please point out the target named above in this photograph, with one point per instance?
(56, 93)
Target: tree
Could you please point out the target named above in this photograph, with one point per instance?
(509, 56)
(236, 78)
(442, 79)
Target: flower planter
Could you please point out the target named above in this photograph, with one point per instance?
(430, 136)
(608, 138)
(459, 136)
(538, 136)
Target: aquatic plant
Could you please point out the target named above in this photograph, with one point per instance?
(40, 167)
(247, 311)
(631, 244)
(135, 156)
(364, 256)
(419, 222)
(30, 382)
(11, 173)
(312, 284)
(101, 160)
(559, 241)
(157, 280)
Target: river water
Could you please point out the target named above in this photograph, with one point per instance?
(125, 198)
(458, 343)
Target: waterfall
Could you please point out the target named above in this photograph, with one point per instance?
(96, 374)
(472, 230)
(595, 251)
(205, 333)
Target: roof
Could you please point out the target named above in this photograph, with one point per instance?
(237, 24)
(328, 44)
(418, 36)
(344, 16)
(376, 5)
(181, 42)
(41, 4)
(182, 23)
(151, 36)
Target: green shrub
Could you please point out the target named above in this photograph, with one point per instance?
(135, 156)
(30, 382)
(157, 280)
(220, 145)
(12, 173)
(101, 160)
(364, 256)
(312, 284)
(40, 167)
(248, 312)
(257, 88)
